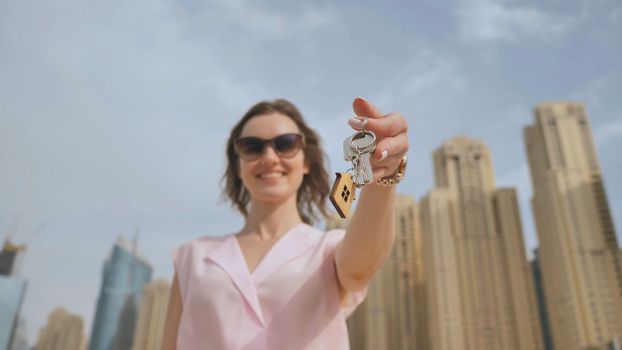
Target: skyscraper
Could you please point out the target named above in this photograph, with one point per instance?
(63, 331)
(393, 313)
(151, 316)
(367, 326)
(20, 337)
(403, 281)
(12, 292)
(124, 276)
(478, 282)
(579, 252)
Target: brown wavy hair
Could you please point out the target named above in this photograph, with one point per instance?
(312, 193)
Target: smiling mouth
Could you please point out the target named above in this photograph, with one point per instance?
(271, 175)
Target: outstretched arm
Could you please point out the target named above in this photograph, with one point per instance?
(371, 232)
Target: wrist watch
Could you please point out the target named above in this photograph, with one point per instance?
(397, 176)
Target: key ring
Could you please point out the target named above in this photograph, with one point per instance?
(364, 123)
(370, 147)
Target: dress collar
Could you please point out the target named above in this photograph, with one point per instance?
(227, 254)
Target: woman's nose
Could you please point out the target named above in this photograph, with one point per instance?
(269, 154)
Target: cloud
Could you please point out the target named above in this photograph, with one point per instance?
(609, 131)
(113, 127)
(592, 93)
(425, 71)
(261, 23)
(512, 120)
(491, 20)
(118, 113)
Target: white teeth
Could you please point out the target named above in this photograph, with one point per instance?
(270, 175)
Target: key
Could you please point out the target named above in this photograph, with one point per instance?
(342, 194)
(357, 171)
(365, 174)
(363, 143)
(349, 153)
(356, 149)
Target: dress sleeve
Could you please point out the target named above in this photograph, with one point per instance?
(182, 262)
(353, 299)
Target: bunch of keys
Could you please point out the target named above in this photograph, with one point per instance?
(356, 149)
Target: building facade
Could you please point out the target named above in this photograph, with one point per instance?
(579, 252)
(151, 316)
(20, 337)
(12, 291)
(402, 279)
(393, 315)
(544, 318)
(124, 276)
(63, 331)
(479, 287)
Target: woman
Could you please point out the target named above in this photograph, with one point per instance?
(279, 283)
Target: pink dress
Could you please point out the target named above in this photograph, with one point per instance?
(290, 302)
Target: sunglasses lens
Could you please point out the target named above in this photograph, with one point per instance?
(250, 146)
(288, 145)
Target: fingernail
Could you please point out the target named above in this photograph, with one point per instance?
(360, 98)
(355, 123)
(383, 155)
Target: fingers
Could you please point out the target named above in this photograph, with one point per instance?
(395, 146)
(388, 155)
(386, 167)
(391, 131)
(391, 125)
(364, 108)
(380, 172)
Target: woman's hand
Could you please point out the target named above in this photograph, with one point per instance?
(391, 136)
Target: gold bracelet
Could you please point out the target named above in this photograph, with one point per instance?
(397, 176)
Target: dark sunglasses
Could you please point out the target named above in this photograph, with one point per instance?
(285, 146)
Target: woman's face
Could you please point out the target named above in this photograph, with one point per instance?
(271, 178)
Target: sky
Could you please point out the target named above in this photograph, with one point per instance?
(114, 114)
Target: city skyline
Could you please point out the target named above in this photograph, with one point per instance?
(114, 115)
(131, 247)
(480, 290)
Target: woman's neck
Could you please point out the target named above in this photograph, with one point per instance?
(270, 220)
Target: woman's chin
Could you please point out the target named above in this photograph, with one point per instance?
(273, 195)
(275, 190)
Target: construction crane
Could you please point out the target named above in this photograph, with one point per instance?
(10, 250)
